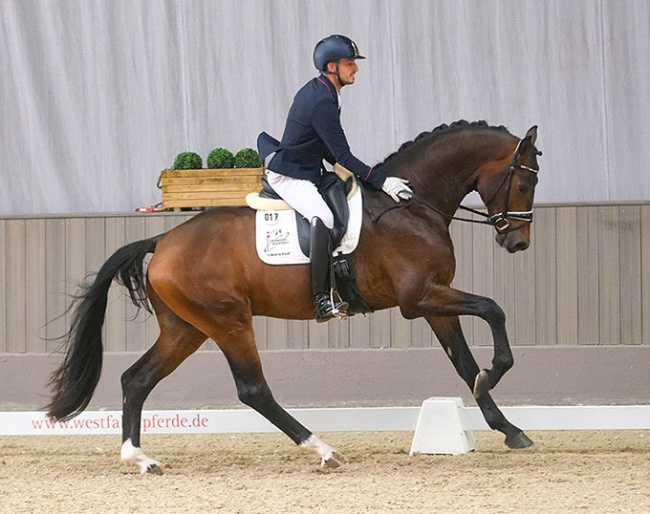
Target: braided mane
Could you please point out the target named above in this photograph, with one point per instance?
(445, 129)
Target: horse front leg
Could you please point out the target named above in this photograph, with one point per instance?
(450, 334)
(446, 301)
(502, 361)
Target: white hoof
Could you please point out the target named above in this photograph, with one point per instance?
(134, 456)
(329, 457)
(336, 460)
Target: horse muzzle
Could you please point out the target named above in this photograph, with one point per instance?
(512, 241)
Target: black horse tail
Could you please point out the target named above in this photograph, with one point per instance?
(74, 382)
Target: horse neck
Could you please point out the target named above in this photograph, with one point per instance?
(446, 171)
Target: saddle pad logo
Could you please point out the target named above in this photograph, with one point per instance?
(277, 238)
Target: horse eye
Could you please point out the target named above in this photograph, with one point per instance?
(523, 189)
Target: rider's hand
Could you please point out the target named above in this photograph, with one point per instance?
(397, 188)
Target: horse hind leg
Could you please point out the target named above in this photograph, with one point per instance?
(450, 335)
(177, 341)
(252, 389)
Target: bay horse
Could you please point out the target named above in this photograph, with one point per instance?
(205, 280)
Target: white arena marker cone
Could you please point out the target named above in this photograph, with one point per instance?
(440, 428)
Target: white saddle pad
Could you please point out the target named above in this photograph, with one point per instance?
(276, 234)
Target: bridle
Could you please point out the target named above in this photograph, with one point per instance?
(500, 220)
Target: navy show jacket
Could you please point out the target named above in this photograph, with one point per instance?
(313, 133)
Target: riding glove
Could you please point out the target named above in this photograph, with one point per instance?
(397, 188)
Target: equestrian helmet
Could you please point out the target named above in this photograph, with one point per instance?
(332, 49)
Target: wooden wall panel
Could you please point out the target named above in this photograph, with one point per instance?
(35, 285)
(585, 280)
(525, 315)
(645, 273)
(319, 335)
(15, 276)
(298, 335)
(609, 275)
(545, 266)
(75, 253)
(339, 334)
(380, 333)
(400, 330)
(56, 296)
(588, 276)
(360, 331)
(629, 230)
(566, 278)
(421, 334)
(277, 334)
(3, 287)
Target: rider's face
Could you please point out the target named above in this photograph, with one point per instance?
(347, 68)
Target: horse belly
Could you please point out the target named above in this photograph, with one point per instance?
(280, 291)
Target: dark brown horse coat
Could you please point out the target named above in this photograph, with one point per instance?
(206, 281)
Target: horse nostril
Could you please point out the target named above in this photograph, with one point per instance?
(520, 246)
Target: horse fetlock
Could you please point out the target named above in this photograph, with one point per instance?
(330, 458)
(136, 457)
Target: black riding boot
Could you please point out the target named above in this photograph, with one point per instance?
(320, 254)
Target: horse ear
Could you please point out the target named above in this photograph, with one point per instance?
(528, 142)
(532, 133)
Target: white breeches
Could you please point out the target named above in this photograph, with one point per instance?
(303, 196)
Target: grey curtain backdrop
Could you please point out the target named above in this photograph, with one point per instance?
(98, 96)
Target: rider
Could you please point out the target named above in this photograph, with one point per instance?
(312, 133)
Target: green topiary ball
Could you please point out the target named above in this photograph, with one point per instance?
(188, 161)
(247, 158)
(221, 158)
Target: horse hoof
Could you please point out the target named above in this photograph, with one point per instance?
(519, 441)
(334, 461)
(154, 469)
(481, 384)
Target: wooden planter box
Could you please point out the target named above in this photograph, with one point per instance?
(208, 187)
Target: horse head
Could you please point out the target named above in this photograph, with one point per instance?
(449, 162)
(507, 189)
